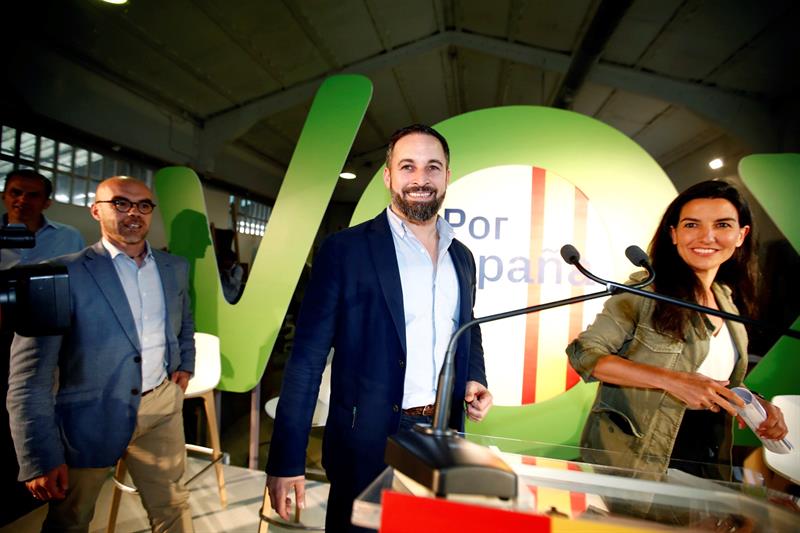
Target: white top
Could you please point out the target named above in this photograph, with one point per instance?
(430, 303)
(145, 296)
(721, 357)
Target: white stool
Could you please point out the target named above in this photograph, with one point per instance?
(787, 464)
(313, 517)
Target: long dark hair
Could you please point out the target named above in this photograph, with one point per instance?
(676, 278)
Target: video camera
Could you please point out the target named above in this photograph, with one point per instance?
(34, 299)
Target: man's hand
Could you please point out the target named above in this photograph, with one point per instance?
(51, 486)
(279, 488)
(478, 400)
(181, 377)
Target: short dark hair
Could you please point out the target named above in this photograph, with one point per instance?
(676, 278)
(417, 128)
(29, 174)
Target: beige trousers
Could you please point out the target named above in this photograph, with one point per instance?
(156, 458)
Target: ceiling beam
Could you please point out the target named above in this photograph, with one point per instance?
(604, 22)
(744, 117)
(228, 125)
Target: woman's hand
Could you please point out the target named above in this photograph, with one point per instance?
(774, 427)
(701, 392)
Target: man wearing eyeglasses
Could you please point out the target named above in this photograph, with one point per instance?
(122, 371)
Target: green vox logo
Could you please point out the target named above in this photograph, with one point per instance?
(248, 330)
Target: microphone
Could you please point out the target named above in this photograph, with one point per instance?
(570, 254)
(634, 254)
(637, 256)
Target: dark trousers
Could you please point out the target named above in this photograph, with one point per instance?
(697, 445)
(342, 495)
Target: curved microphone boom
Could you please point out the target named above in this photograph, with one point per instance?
(639, 258)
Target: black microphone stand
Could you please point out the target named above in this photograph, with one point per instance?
(439, 459)
(616, 288)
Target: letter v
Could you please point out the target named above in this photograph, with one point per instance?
(248, 330)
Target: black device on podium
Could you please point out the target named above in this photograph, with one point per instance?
(442, 461)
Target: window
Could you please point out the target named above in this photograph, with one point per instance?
(74, 170)
(249, 217)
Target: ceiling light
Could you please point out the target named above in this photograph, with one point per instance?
(347, 176)
(115, 2)
(715, 163)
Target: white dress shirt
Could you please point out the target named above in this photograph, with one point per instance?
(430, 302)
(145, 296)
(52, 239)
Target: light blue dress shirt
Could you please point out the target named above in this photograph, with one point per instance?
(52, 239)
(430, 302)
(145, 296)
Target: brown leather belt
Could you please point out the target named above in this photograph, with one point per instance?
(424, 410)
(145, 393)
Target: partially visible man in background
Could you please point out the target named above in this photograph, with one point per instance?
(26, 196)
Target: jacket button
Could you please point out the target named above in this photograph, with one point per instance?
(137, 359)
(401, 363)
(396, 408)
(134, 391)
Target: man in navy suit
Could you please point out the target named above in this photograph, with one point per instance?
(386, 295)
(113, 385)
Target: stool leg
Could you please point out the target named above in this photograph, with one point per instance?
(119, 474)
(263, 525)
(213, 435)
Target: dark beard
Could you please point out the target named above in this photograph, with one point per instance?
(418, 212)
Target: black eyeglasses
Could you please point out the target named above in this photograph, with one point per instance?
(123, 205)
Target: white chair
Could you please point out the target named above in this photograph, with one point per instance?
(316, 490)
(207, 371)
(787, 464)
(323, 399)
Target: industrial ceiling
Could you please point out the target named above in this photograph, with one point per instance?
(686, 79)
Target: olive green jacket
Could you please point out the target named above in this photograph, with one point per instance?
(633, 427)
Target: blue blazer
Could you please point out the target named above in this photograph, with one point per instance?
(354, 303)
(89, 419)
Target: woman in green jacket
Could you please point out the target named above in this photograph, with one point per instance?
(664, 370)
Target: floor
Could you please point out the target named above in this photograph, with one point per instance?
(245, 493)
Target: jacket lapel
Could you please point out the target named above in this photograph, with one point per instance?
(384, 257)
(169, 283)
(99, 265)
(464, 289)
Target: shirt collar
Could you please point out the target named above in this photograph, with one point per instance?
(47, 223)
(400, 229)
(113, 251)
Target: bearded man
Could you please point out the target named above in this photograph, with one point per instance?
(113, 385)
(386, 295)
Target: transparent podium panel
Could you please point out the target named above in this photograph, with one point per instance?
(578, 490)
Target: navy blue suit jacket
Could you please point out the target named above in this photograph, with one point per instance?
(354, 303)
